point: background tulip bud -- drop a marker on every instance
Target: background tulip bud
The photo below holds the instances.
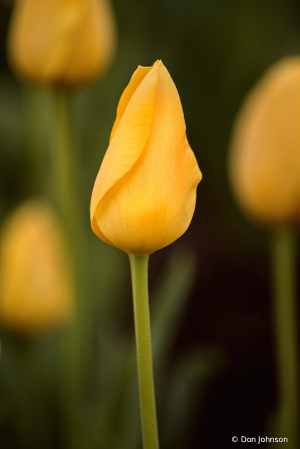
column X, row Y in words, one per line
column 61, row 42
column 36, row 290
column 145, row 192
column 265, row 147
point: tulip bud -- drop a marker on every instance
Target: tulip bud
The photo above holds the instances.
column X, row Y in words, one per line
column 36, row 290
column 64, row 43
column 145, row 192
column 265, row 147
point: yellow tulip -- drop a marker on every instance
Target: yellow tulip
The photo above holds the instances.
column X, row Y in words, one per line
column 36, row 289
column 265, row 147
column 63, row 43
column 145, row 192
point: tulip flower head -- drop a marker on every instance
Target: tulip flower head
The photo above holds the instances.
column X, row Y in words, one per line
column 62, row 43
column 36, row 289
column 265, row 147
column 145, row 192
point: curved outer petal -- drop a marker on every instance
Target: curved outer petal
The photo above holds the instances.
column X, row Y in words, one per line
column 128, row 140
column 265, row 148
column 61, row 42
column 152, row 203
column 136, row 79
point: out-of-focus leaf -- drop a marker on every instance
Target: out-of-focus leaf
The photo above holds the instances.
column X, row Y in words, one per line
column 28, row 375
column 170, row 301
column 185, row 390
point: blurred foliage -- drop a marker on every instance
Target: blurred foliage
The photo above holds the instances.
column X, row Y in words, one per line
column 212, row 335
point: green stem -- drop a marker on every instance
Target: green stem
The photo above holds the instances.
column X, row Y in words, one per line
column 284, row 272
column 67, row 180
column 64, row 158
column 139, row 273
column 75, row 346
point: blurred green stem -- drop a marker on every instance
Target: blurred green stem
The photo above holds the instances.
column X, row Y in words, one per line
column 284, row 244
column 139, row 273
column 67, row 195
column 75, row 349
column 64, row 158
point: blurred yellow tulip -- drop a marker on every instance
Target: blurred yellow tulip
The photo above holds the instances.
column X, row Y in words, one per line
column 145, row 192
column 265, row 148
column 64, row 43
column 36, row 289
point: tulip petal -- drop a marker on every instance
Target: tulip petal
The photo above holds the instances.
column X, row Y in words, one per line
column 265, row 157
column 36, row 288
column 135, row 81
column 152, row 204
column 128, row 142
column 61, row 42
